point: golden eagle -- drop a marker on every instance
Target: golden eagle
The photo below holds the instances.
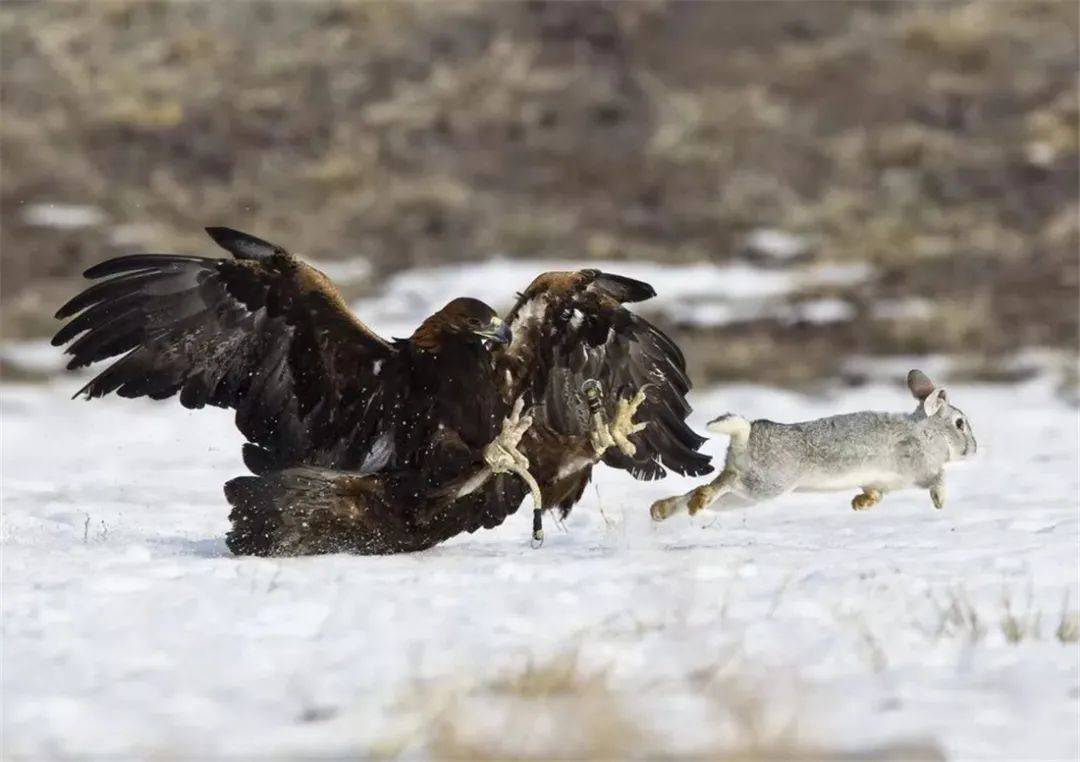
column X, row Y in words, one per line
column 372, row 446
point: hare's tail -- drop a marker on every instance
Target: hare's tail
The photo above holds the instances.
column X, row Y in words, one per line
column 735, row 426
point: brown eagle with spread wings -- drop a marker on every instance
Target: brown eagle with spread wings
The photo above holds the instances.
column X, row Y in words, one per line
column 366, row 445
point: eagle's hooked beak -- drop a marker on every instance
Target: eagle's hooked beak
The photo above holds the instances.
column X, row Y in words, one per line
column 497, row 330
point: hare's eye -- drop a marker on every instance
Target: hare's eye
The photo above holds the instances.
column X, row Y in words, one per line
column 960, row 424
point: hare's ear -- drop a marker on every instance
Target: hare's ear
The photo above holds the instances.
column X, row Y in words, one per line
column 935, row 402
column 919, row 384
column 923, row 389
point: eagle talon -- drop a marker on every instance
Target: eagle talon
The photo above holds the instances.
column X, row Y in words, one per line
column 623, row 426
column 601, row 439
column 502, row 455
column 616, row 433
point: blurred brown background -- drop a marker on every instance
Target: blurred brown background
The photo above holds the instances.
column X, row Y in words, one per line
column 936, row 143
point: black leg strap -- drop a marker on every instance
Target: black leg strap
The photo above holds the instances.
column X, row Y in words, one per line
column 538, row 528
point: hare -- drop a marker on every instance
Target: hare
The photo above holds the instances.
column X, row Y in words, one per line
column 874, row 452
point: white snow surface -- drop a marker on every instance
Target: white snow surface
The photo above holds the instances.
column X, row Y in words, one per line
column 130, row 631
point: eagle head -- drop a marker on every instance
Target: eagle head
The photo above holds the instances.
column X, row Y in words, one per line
column 462, row 321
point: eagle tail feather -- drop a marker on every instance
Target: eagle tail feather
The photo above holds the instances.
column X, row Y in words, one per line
column 292, row 512
column 308, row 510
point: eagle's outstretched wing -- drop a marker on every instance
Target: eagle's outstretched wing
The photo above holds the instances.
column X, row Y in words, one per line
column 262, row 333
column 571, row 327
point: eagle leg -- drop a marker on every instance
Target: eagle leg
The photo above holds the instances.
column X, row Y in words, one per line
column 502, row 455
column 616, row 433
column 538, row 528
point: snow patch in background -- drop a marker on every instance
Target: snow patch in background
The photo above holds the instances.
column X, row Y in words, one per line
column 63, row 216
column 699, row 294
column 341, row 271
column 778, row 246
column 35, row 355
column 822, row 311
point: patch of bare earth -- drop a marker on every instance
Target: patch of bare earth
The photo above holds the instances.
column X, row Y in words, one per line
column 935, row 142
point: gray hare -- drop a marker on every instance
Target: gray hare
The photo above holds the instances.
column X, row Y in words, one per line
column 874, row 452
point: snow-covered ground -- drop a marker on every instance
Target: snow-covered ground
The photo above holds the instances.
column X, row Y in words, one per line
column 794, row 627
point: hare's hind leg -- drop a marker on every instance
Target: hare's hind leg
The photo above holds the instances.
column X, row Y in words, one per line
column 667, row 507
column 707, row 494
column 937, row 491
column 697, row 498
column 868, row 498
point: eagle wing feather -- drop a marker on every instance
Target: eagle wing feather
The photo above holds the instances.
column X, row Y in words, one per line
column 262, row 333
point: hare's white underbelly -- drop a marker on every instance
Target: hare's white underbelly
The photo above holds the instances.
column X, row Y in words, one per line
column 869, row 477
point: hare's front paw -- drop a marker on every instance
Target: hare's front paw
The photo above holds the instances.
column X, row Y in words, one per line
column 868, row 498
column 937, row 494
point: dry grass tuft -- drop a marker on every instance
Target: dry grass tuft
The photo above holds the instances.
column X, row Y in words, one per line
column 957, row 617
column 557, row 709
column 1068, row 629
